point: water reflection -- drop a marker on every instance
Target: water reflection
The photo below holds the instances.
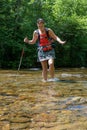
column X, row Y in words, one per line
column 77, row 107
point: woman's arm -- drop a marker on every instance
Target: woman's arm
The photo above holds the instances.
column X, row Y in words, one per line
column 34, row 39
column 55, row 37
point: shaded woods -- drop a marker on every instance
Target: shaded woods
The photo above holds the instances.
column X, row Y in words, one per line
column 68, row 19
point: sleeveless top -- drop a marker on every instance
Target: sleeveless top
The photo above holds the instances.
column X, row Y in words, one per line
column 44, row 41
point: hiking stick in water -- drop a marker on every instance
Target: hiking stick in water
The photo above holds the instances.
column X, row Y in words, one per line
column 22, row 53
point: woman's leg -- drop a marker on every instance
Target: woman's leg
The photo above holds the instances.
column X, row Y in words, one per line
column 51, row 67
column 44, row 69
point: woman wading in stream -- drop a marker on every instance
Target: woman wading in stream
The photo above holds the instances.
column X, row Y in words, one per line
column 46, row 52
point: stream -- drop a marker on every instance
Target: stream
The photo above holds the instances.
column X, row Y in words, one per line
column 27, row 103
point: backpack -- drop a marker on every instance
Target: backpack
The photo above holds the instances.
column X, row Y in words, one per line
column 45, row 48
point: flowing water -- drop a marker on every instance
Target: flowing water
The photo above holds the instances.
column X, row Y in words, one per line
column 27, row 103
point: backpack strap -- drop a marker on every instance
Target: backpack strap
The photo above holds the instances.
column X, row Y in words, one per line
column 47, row 32
column 38, row 35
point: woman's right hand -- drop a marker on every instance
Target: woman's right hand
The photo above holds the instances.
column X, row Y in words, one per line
column 26, row 40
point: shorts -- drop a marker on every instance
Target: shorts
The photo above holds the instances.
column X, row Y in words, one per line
column 42, row 56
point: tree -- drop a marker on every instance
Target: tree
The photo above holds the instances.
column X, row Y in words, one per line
column 66, row 18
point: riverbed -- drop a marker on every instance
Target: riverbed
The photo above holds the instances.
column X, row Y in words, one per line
column 27, row 103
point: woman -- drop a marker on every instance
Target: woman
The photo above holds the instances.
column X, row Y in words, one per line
column 46, row 53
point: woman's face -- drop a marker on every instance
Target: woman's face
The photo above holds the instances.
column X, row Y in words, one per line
column 40, row 24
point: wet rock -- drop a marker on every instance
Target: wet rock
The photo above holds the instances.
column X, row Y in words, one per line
column 19, row 126
column 4, row 126
column 77, row 100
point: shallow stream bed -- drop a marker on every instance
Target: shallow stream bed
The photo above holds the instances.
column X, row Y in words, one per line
column 27, row 103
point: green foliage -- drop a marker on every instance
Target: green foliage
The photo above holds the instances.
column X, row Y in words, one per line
column 67, row 18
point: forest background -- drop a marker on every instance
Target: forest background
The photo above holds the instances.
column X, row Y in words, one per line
column 67, row 18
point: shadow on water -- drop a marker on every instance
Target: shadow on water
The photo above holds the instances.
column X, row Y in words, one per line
column 66, row 81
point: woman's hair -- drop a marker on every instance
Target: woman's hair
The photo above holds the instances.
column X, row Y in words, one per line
column 40, row 20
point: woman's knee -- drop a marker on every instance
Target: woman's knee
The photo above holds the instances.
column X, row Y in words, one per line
column 51, row 62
